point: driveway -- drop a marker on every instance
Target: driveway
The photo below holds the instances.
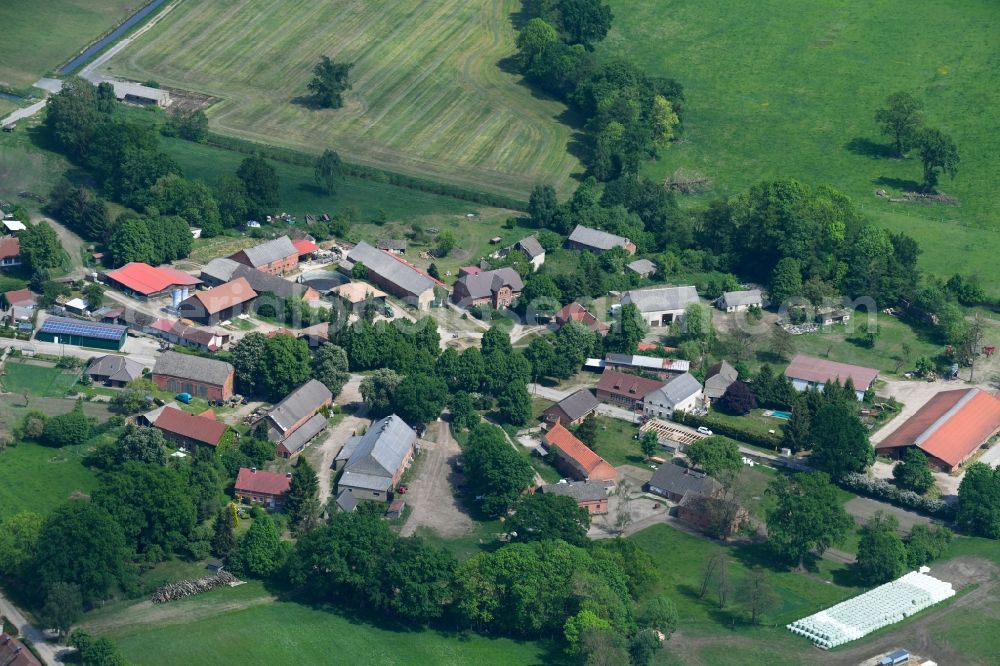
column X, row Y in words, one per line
column 73, row 245
column 323, row 454
column 50, row 651
column 431, row 495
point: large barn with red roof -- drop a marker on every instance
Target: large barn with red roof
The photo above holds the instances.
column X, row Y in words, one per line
column 145, row 281
column 948, row 429
column 576, row 458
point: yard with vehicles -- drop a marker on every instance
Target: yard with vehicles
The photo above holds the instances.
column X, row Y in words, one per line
column 428, row 96
column 50, row 33
column 775, row 89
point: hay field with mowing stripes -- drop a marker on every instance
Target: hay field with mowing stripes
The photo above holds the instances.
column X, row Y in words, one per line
column 428, row 98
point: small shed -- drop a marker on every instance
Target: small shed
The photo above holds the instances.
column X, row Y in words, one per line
column 895, row 658
column 214, row 565
column 395, row 509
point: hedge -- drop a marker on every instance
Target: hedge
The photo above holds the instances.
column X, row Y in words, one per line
column 290, row 156
column 883, row 490
column 764, row 441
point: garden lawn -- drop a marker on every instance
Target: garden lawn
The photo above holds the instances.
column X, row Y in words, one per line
column 785, row 89
column 50, row 33
column 754, row 422
column 246, row 625
column 23, row 377
column 38, row 478
column 369, row 200
column 616, row 443
column 429, row 96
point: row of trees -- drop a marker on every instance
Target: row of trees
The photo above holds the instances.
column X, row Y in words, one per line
column 272, row 366
column 902, row 120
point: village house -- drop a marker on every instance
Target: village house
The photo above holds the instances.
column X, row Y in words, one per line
column 114, row 370
column 661, row 368
column 144, row 282
column 371, row 464
column 223, row 269
column 575, row 458
column 718, row 378
column 66, row 331
column 10, row 252
column 393, row 274
column 498, row 288
column 294, row 421
column 19, row 308
column 189, row 430
column 597, row 241
column 276, row 256
column 740, row 301
column 572, row 409
column 949, row 429
column 712, row 515
column 202, row 377
column 661, row 306
column 356, row 294
column 591, row 495
column 644, row 268
column 619, row 388
column 15, row 653
column 674, row 482
column 576, row 312
column 533, row 250
column 217, row 304
column 810, row 372
column 681, row 394
column 268, row 489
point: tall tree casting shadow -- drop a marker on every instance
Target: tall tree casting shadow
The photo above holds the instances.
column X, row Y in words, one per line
column 860, row 145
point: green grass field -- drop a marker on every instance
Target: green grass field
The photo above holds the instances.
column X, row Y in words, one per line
column 257, row 629
column 369, row 199
column 41, row 380
column 38, row 478
column 41, row 36
column 779, row 88
column 428, row 95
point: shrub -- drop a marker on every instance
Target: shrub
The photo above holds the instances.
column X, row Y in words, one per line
column 883, row 490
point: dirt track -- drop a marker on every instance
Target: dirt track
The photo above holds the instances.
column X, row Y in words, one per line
column 431, row 495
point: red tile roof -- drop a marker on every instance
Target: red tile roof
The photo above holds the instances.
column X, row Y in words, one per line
column 821, row 371
column 305, row 246
column 199, row 428
column 10, row 247
column 576, row 312
column 594, row 466
column 20, row 297
column 225, row 296
column 14, row 653
column 950, row 427
column 261, row 482
column 145, row 279
column 626, row 385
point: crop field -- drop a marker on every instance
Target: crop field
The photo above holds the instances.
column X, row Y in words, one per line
column 429, row 97
column 225, row 627
column 779, row 88
column 40, row 36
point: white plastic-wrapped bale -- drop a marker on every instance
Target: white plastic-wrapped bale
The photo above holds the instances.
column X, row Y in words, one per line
column 877, row 608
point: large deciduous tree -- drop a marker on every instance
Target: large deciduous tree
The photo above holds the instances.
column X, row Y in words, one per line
column 40, row 247
column 329, row 365
column 840, row 441
column 302, row 504
column 881, row 553
column 738, row 399
column 144, row 445
column 979, row 501
column 284, row 366
column 329, row 83
column 806, row 517
column 378, row 390
column 546, row 516
column 913, row 473
column 939, row 155
column 900, row 120
column 716, row 455
column 260, row 184
column 328, row 170
column 495, row 470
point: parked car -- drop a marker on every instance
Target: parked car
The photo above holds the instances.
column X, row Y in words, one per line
column 186, row 398
column 703, row 430
column 402, row 490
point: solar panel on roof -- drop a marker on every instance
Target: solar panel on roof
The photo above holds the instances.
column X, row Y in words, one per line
column 74, row 327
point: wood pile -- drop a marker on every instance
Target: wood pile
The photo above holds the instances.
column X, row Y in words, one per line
column 187, row 588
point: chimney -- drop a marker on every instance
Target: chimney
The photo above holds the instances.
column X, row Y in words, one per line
column 288, row 475
column 253, row 470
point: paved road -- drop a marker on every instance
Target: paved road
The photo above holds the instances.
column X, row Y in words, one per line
column 26, row 112
column 50, row 651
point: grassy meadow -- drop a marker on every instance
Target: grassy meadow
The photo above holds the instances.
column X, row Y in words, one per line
column 38, row 478
column 247, row 625
column 429, row 97
column 41, row 36
column 778, row 88
column 22, row 377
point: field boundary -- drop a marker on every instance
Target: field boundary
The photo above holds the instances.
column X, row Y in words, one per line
column 300, row 158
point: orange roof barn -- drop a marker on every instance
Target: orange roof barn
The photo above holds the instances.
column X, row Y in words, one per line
column 579, row 457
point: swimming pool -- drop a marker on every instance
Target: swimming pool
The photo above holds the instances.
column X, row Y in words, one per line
column 780, row 415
